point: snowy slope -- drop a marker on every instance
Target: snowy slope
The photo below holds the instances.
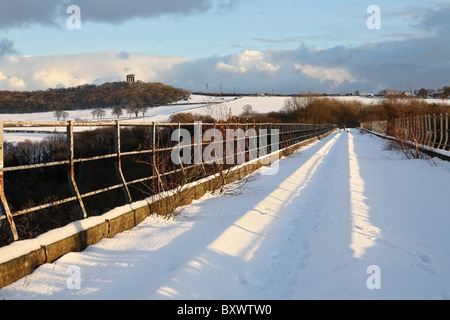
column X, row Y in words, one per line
column 157, row 114
column 314, row 230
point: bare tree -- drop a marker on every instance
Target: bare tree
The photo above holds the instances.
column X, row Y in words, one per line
column 117, row 111
column 143, row 110
column 176, row 177
column 99, row 113
column 60, row 114
column 404, row 125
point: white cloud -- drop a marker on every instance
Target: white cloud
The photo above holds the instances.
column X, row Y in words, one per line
column 53, row 77
column 13, row 59
column 229, row 68
column 107, row 66
column 417, row 62
column 421, row 62
column 248, row 62
column 11, row 83
column 336, row 75
column 78, row 69
column 16, row 83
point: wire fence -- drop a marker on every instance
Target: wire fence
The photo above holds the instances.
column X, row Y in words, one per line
column 427, row 130
column 166, row 153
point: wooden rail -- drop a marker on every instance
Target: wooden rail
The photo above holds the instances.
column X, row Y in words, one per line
column 287, row 135
column 426, row 130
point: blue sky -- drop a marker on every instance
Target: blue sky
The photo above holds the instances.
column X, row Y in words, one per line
column 252, row 24
column 246, row 45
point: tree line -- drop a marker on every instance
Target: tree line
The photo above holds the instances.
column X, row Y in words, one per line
column 89, row 96
column 351, row 113
column 315, row 109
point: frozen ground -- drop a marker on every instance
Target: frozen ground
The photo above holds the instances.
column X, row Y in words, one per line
column 336, row 218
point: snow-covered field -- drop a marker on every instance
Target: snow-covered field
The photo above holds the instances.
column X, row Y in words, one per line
column 216, row 107
column 343, row 218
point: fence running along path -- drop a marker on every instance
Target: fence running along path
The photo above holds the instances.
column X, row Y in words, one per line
column 427, row 130
column 288, row 135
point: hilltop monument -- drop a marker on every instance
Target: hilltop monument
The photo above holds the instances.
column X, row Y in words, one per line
column 131, row 78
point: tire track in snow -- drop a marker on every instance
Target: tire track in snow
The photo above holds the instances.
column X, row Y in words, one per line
column 244, row 237
column 279, row 271
column 364, row 234
column 242, row 240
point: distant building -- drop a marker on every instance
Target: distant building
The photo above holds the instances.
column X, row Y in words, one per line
column 130, row 78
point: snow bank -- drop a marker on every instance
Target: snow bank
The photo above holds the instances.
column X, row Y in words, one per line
column 18, row 249
column 23, row 247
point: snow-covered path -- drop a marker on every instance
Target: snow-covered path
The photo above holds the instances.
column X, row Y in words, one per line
column 342, row 218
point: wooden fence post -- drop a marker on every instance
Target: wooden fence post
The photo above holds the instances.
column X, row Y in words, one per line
column 434, row 131
column 446, row 131
column 179, row 151
column 119, row 163
column 407, row 129
column 429, row 130
column 441, row 130
column 270, row 138
column 423, row 131
column 71, row 171
column 155, row 165
column 4, row 207
column 417, row 128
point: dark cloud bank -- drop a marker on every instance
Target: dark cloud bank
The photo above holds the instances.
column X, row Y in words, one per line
column 25, row 13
